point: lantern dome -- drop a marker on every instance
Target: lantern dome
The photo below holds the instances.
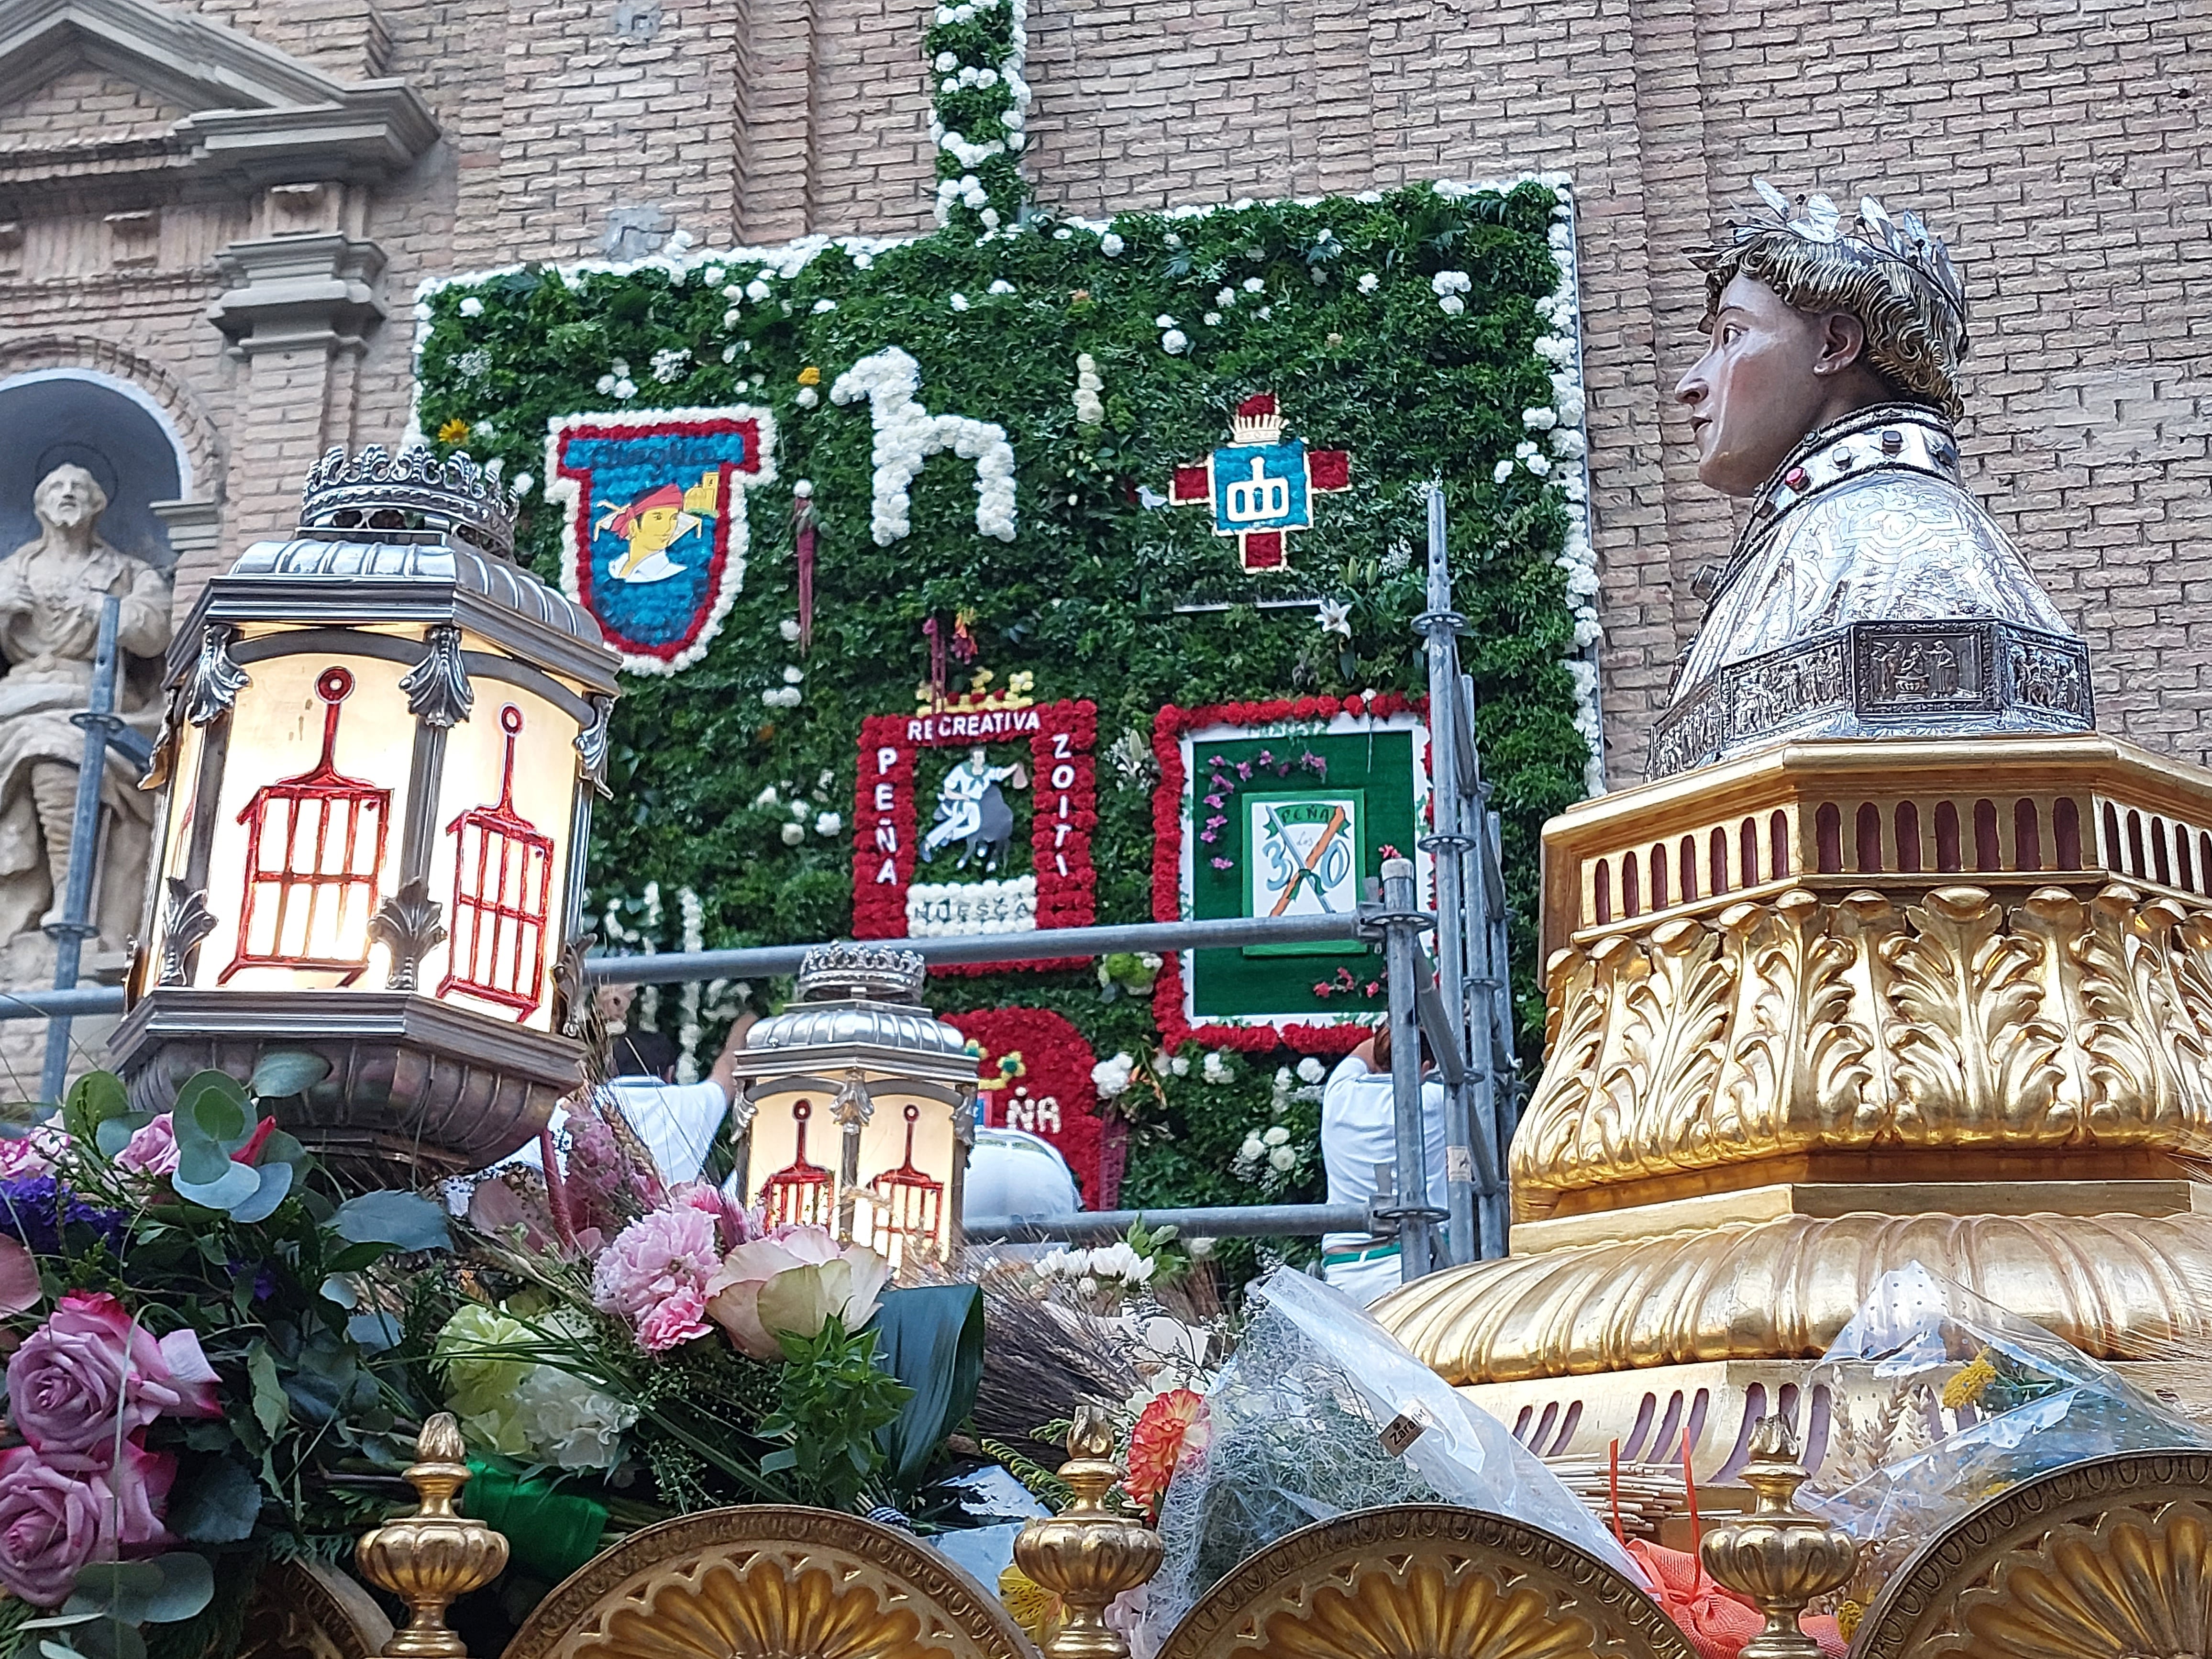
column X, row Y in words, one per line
column 382, row 739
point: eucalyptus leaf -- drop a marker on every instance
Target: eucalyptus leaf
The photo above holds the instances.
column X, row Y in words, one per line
column 93, row 1099
column 276, row 1181
column 404, row 1220
column 285, row 1071
column 237, row 1184
column 212, row 1104
column 114, row 1134
column 373, row 1332
column 200, row 1161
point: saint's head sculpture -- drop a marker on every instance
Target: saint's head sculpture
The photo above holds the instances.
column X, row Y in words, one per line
column 1869, row 595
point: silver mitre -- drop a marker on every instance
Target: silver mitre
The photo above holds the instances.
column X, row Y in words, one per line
column 1869, row 594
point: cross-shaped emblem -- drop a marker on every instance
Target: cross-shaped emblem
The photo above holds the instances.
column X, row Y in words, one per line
column 1262, row 485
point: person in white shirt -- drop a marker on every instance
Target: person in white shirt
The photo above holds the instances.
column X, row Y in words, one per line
column 676, row 1123
column 1359, row 1130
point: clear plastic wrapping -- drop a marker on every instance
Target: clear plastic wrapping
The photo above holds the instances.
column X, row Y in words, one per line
column 1294, row 1434
column 1939, row 1399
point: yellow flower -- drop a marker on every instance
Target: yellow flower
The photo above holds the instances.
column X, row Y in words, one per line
column 1967, row 1386
column 1033, row 1606
column 455, row 431
column 810, row 375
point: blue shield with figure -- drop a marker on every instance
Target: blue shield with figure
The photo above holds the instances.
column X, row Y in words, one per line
column 653, row 538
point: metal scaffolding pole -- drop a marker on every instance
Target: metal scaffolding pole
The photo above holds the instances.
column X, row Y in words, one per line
column 1401, row 921
column 69, row 933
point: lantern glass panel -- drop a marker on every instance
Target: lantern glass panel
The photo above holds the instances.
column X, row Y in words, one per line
column 499, row 861
column 306, row 838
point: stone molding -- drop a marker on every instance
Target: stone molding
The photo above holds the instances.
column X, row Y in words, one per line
column 298, row 293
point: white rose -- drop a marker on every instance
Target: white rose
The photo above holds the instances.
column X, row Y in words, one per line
column 789, row 629
column 1252, row 1150
column 1311, row 1070
column 767, row 796
column 1111, row 246
column 1451, row 305
column 1253, row 285
column 793, row 833
column 794, row 675
column 1276, row 1136
column 807, row 397
column 1283, row 1159
column 1175, row 342
column 473, row 306
column 959, row 303
column 1369, row 283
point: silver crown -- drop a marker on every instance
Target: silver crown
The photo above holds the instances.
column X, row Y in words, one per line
column 411, row 491
column 1874, row 234
column 874, row 972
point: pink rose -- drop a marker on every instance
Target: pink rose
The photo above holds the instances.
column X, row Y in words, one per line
column 33, row 1154
column 794, row 1281
column 153, row 1150
column 674, row 1321
column 51, row 1524
column 138, row 1489
column 89, row 1366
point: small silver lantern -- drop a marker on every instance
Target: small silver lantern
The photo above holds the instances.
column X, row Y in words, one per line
column 858, row 1109
column 383, row 738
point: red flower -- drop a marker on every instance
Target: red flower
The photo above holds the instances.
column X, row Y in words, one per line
column 1169, row 1432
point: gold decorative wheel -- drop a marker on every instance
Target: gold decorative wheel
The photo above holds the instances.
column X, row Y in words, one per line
column 309, row 1610
column 769, row 1582
column 1425, row 1581
column 2110, row 1558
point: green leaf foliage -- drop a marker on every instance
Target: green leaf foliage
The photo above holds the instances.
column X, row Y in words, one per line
column 931, row 1339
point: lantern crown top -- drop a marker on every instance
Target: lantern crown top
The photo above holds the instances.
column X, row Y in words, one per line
column 412, row 491
column 873, row 972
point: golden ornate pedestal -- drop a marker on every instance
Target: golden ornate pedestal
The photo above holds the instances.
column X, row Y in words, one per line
column 1825, row 1010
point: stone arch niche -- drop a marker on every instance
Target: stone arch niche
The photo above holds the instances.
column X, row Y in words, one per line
column 50, row 417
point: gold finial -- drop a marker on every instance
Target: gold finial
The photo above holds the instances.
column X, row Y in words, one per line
column 1088, row 1554
column 1777, row 1555
column 429, row 1558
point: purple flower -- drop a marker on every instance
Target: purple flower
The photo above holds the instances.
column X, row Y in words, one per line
column 1224, row 864
column 1213, row 801
column 1244, row 769
column 35, row 1209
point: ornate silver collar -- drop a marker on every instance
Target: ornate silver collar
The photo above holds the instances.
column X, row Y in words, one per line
column 1884, row 437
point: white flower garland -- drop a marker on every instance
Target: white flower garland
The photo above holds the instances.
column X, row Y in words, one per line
column 999, row 71
column 907, row 434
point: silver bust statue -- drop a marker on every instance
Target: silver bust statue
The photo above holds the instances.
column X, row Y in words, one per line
column 51, row 592
column 1868, row 594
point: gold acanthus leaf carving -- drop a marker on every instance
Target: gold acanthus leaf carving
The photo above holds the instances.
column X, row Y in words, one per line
column 1575, row 1011
column 1974, row 1058
column 1799, row 1067
column 1662, row 1073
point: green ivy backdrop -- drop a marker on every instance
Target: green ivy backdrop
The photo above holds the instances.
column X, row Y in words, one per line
column 1343, row 308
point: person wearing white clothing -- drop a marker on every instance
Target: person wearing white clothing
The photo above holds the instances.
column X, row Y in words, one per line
column 1359, row 1130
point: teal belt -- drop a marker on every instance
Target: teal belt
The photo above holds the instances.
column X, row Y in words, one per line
column 1353, row 1258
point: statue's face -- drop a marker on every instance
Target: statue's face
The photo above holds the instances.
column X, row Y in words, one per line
column 1762, row 384
column 68, row 496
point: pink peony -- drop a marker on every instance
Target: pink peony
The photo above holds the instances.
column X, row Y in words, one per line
column 51, row 1523
column 661, row 1255
column 793, row 1282
column 153, row 1150
column 89, row 1366
column 674, row 1321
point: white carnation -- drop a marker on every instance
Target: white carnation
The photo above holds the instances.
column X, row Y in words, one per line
column 1311, row 1070
column 793, row 833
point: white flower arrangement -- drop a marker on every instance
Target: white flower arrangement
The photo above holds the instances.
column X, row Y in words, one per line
column 907, row 434
column 1089, row 408
column 1112, row 1077
column 694, row 937
column 934, row 909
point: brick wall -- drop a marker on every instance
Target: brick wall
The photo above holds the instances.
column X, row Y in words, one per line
column 2060, row 143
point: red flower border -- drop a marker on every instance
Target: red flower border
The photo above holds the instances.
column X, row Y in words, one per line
column 1064, row 791
column 1169, row 726
column 1057, row 1056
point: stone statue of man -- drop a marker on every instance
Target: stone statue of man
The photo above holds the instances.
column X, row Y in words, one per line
column 50, row 594
column 1825, row 399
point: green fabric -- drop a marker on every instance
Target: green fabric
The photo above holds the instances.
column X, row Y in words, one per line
column 549, row 1533
column 931, row 1338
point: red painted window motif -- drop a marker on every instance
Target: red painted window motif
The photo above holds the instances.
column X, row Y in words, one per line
column 798, row 1194
column 502, row 892
column 908, row 1206
column 315, row 847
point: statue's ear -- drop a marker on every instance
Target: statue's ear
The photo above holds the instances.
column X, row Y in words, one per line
column 1843, row 341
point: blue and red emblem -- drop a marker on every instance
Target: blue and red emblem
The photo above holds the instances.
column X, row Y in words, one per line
column 1261, row 486
column 654, row 538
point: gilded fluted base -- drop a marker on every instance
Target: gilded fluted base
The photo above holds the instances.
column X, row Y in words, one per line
column 2116, row 1287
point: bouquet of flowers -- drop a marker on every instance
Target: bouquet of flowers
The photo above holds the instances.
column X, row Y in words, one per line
column 196, row 1363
